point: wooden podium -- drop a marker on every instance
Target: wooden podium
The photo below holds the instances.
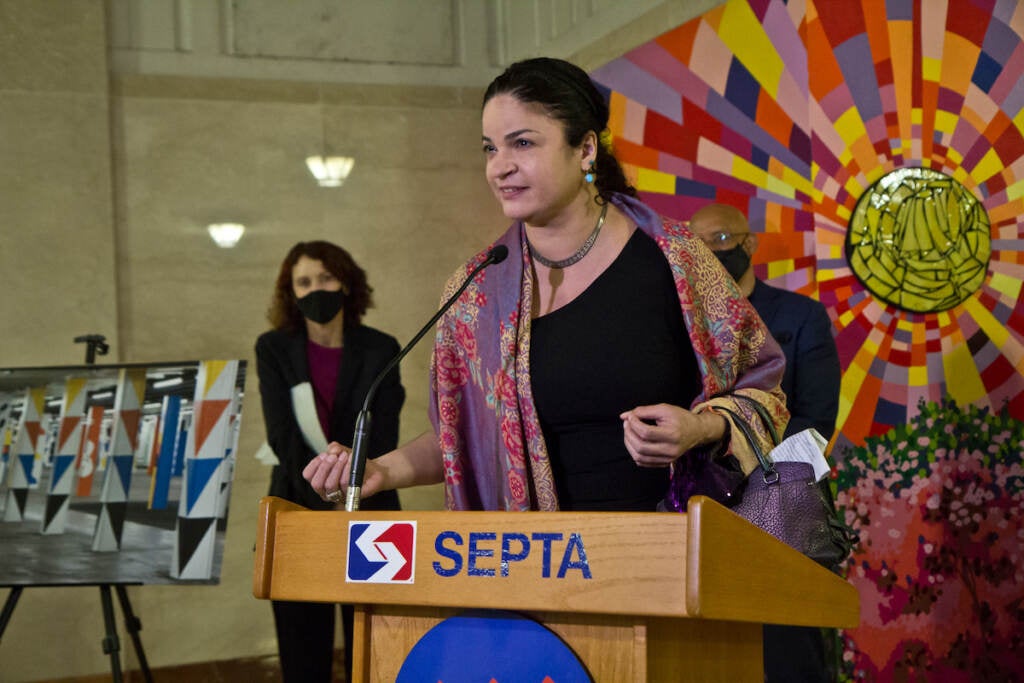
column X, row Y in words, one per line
column 637, row 596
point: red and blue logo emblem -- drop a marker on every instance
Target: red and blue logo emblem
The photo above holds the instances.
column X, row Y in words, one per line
column 381, row 552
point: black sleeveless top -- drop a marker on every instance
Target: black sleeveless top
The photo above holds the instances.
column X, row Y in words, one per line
column 620, row 344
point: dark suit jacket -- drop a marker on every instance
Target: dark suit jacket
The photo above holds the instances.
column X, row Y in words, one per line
column 811, row 381
column 281, row 364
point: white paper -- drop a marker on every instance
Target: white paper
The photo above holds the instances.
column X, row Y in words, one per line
column 806, row 446
column 265, row 454
column 304, row 407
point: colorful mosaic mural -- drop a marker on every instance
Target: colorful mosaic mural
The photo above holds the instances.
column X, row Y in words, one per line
column 725, row 108
column 792, row 112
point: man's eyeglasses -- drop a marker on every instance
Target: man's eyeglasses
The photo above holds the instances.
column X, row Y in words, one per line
column 724, row 240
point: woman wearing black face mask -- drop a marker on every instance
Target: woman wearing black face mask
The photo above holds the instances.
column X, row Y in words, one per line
column 315, row 367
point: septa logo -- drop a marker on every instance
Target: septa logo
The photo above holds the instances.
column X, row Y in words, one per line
column 381, row 552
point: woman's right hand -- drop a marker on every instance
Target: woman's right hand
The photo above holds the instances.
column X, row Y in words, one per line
column 328, row 473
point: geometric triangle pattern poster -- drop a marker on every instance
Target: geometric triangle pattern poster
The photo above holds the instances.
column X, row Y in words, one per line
column 206, row 462
column 80, row 425
column 68, row 443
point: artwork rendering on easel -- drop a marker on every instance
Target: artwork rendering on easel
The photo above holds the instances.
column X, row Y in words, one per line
column 117, row 474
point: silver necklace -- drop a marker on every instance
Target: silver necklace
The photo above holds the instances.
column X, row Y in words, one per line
column 580, row 253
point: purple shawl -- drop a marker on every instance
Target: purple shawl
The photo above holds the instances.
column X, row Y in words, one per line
column 481, row 398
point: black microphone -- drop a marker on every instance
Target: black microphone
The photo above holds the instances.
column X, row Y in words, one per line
column 497, row 254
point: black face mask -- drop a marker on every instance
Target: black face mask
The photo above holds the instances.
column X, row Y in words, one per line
column 735, row 260
column 321, row 306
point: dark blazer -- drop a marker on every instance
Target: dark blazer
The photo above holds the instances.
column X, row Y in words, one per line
column 813, row 374
column 281, row 364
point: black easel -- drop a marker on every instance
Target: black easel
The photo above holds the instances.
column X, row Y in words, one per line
column 96, row 343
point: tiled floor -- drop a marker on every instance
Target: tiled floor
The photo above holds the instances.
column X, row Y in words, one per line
column 145, row 553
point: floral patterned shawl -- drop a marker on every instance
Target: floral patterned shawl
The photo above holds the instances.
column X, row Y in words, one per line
column 482, row 405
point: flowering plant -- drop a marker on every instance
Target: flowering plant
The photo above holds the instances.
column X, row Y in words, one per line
column 939, row 506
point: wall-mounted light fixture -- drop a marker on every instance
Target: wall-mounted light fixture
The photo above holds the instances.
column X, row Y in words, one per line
column 226, row 235
column 330, row 171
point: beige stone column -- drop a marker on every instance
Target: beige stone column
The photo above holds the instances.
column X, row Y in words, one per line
column 56, row 209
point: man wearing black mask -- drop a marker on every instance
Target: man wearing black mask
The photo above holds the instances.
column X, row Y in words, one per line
column 799, row 323
column 811, row 381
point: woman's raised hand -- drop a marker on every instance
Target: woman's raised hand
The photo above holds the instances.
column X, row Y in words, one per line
column 328, row 474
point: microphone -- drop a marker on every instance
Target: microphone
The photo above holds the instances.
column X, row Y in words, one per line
column 360, row 439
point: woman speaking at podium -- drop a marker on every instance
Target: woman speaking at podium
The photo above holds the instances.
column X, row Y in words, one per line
column 573, row 374
column 315, row 366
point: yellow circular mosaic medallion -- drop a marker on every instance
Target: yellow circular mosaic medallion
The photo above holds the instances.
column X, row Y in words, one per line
column 919, row 240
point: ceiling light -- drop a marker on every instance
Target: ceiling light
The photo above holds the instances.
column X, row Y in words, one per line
column 330, row 171
column 226, row 235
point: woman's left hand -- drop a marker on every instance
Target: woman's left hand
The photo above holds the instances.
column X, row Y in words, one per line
column 657, row 435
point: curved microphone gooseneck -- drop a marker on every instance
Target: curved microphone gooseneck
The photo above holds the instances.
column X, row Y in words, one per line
column 361, row 437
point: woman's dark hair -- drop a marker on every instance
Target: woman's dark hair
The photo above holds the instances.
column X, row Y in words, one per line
column 284, row 313
column 567, row 94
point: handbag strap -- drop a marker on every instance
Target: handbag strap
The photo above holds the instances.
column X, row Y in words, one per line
column 770, row 474
column 762, row 412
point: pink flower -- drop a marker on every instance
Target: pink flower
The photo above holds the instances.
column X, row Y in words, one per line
column 451, row 369
column 448, row 410
column 517, row 487
column 504, row 387
column 511, row 438
column 465, row 338
column 448, row 439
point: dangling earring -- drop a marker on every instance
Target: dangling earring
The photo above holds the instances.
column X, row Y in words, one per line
column 589, row 176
